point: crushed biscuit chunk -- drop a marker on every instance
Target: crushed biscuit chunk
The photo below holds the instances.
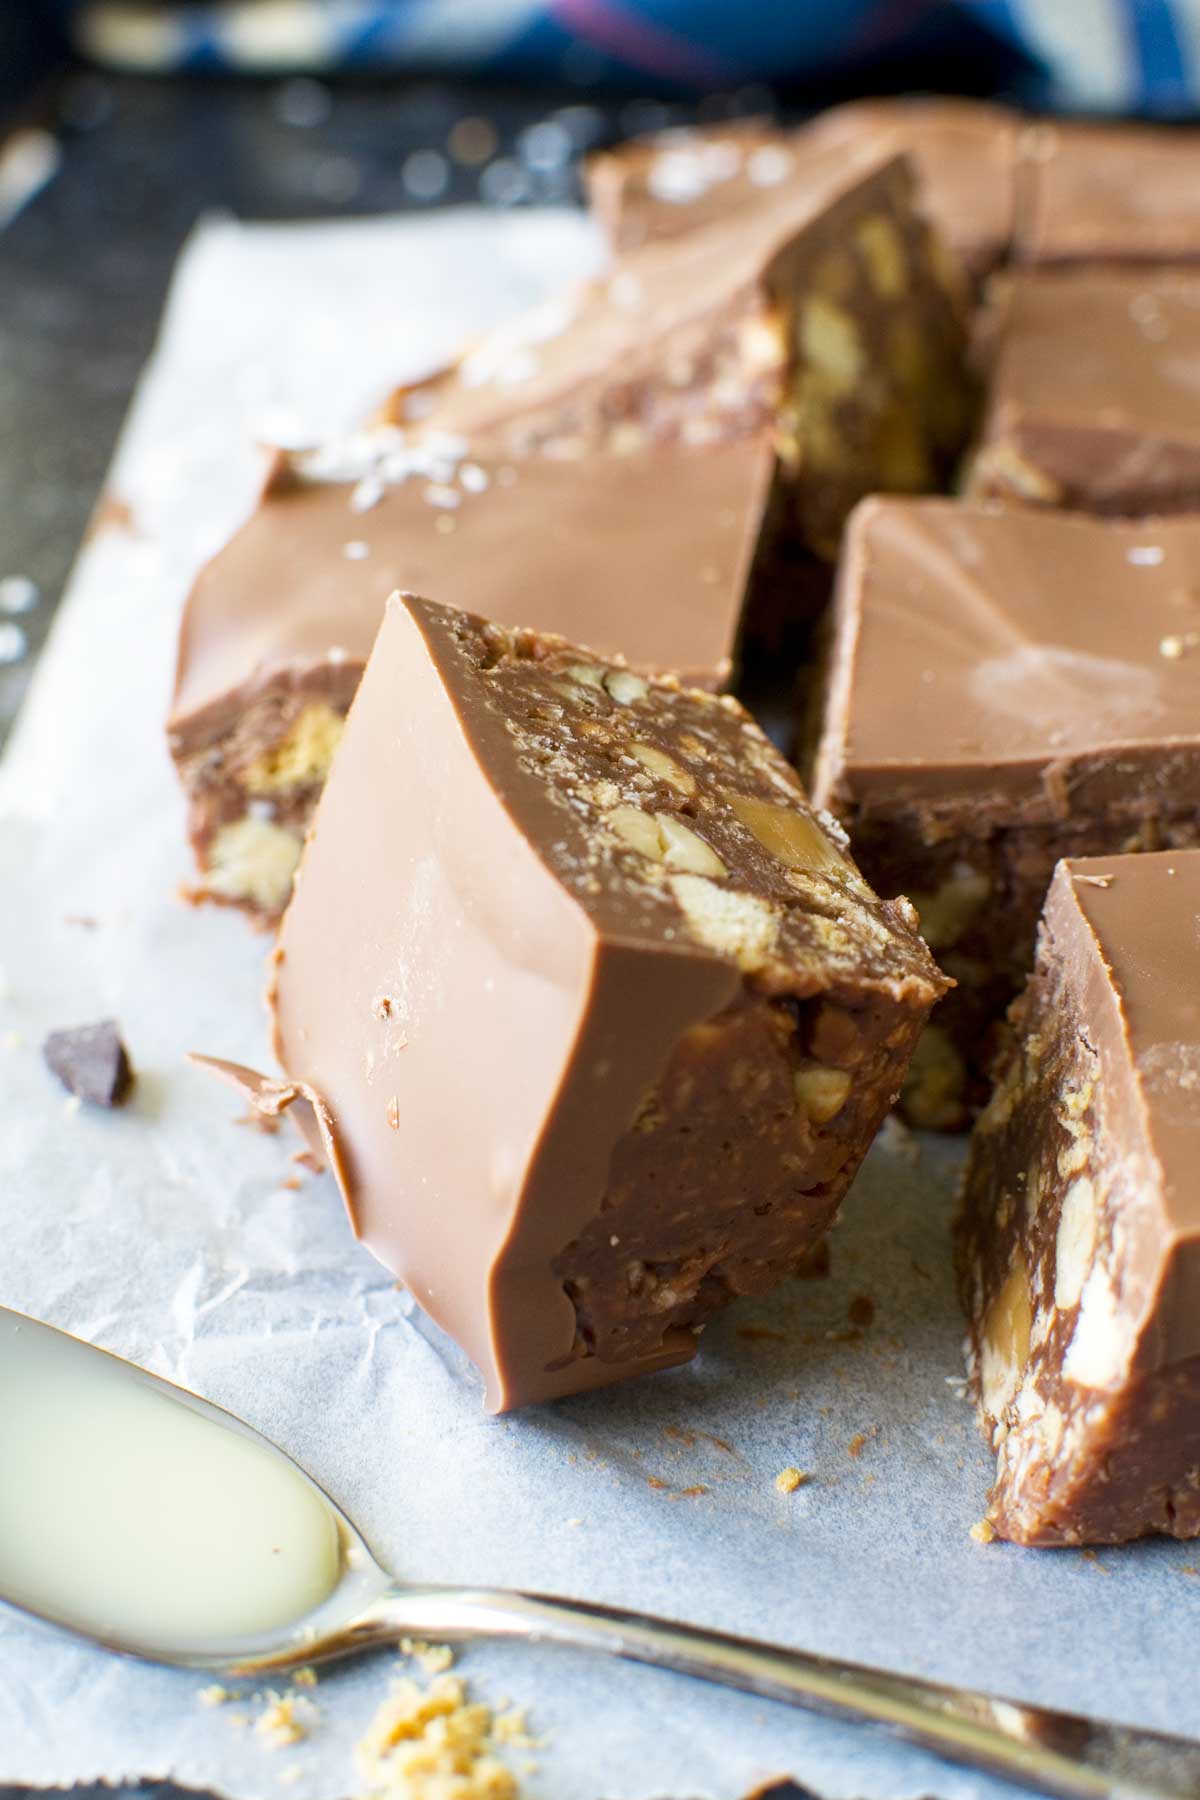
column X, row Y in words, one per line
column 789, row 1479
column 285, row 1721
column 433, row 1744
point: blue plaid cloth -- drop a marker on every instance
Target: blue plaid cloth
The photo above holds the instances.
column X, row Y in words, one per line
column 1120, row 56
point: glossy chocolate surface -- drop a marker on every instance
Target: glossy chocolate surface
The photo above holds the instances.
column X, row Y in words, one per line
column 1092, row 392
column 1108, row 193
column 1022, row 662
column 645, row 554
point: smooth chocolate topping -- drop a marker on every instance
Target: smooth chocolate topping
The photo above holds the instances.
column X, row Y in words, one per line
column 1128, row 926
column 1080, row 1238
column 1092, row 397
column 1021, row 661
column 685, row 339
column 646, row 554
column 673, row 181
column 963, row 154
column 1108, row 193
column 601, row 1016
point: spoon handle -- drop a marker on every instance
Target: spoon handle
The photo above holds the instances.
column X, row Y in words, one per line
column 1054, row 1753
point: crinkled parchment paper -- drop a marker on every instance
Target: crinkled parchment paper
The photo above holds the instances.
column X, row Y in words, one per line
column 166, row 1231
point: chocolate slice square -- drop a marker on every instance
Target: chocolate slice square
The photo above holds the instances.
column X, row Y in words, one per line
column 650, row 553
column 1108, row 194
column 1092, row 396
column 1079, row 1242
column 1005, row 687
column 600, row 1014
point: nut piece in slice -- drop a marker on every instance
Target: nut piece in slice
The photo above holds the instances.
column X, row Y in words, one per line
column 1001, row 691
column 600, row 1015
column 1079, row 1240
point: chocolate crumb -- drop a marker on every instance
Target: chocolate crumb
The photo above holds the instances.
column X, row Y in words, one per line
column 861, row 1311
column 308, row 1159
column 815, row 1264
column 782, row 1787
column 268, row 1123
column 91, row 1062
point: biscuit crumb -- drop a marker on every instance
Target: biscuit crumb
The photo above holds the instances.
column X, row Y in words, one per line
column 305, row 1678
column 512, row 1727
column 857, row 1445
column 435, row 1659
column 216, row 1695
column 427, row 1742
column 789, row 1479
column 283, row 1722
column 983, row 1531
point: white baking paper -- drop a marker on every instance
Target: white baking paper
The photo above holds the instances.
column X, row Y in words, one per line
column 165, row 1231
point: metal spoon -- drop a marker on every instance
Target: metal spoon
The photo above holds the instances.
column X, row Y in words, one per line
column 1049, row 1752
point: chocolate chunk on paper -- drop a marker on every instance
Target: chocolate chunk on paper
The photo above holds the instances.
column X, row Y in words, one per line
column 92, row 1062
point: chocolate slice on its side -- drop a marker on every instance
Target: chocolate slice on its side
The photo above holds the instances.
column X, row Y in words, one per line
column 1079, row 1243
column 602, row 1015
